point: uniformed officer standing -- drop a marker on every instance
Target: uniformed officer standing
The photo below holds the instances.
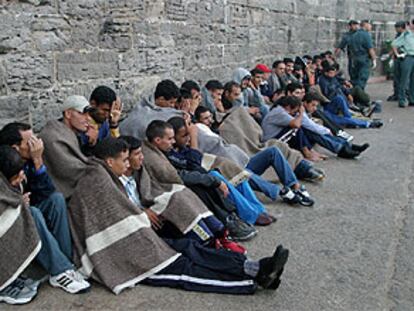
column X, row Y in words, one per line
column 399, row 28
column 403, row 47
column 353, row 27
column 361, row 50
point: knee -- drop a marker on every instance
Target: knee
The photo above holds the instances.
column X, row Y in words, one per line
column 58, row 202
column 37, row 216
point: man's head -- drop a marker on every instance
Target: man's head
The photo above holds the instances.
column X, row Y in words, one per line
column 310, row 102
column 136, row 157
column 266, row 70
column 307, row 58
column 75, row 113
column 400, row 26
column 166, row 94
column 11, row 165
column 216, row 89
column 289, row 63
column 115, row 153
column 279, row 68
column 257, row 77
column 317, row 60
column 295, row 89
column 232, row 91
column 366, row 25
column 17, row 135
column 353, row 25
column 193, row 88
column 182, row 137
column 101, row 101
column 203, row 115
column 161, row 135
column 329, row 71
column 291, row 104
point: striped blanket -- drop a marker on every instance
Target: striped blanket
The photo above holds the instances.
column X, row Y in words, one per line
column 19, row 241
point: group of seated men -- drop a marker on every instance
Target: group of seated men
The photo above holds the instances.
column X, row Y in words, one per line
column 164, row 195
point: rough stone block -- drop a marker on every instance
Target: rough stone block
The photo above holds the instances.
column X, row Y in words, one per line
column 74, row 66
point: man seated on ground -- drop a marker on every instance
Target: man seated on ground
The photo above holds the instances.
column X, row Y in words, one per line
column 264, row 85
column 185, row 157
column 338, row 108
column 193, row 89
column 158, row 106
column 252, row 99
column 287, row 120
column 289, row 76
column 105, row 113
column 211, row 96
column 126, row 163
column 277, row 79
column 291, row 192
column 160, row 139
column 52, row 227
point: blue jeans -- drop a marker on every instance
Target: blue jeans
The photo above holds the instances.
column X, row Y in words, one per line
column 51, row 220
column 330, row 142
column 337, row 105
column 272, row 157
column 302, row 169
column 247, row 205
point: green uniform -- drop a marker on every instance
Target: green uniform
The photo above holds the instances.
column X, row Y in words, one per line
column 359, row 44
column 344, row 44
column 405, row 44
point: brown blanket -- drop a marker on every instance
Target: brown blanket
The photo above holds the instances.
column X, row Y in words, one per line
column 241, row 129
column 19, row 242
column 113, row 239
column 65, row 161
column 162, row 185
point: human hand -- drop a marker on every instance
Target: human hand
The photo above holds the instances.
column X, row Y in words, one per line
column 154, row 219
column 26, row 199
column 192, row 130
column 35, row 148
column 93, row 134
column 374, row 64
column 116, row 112
column 223, row 188
column 301, row 109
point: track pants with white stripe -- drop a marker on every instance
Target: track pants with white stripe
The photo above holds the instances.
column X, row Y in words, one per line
column 205, row 270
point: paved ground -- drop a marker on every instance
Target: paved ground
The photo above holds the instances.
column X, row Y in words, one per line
column 353, row 251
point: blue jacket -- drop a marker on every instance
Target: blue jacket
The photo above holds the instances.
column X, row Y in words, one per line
column 38, row 183
column 331, row 87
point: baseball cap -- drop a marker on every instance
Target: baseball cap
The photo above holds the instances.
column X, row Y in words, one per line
column 263, row 68
column 76, row 102
column 353, row 22
column 400, row 24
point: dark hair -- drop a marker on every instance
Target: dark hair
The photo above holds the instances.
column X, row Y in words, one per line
column 214, row 85
column 277, row 63
column 10, row 133
column 256, row 71
column 230, row 85
column 199, row 111
column 110, row 147
column 176, row 123
column 365, row 21
column 11, row 162
column 329, row 68
column 316, row 57
column 133, row 142
column 310, row 97
column 103, row 95
column 190, row 85
column 184, row 94
column 156, row 129
column 328, row 53
column 307, row 56
column 297, row 67
column 167, row 89
column 288, row 60
column 291, row 87
column 289, row 101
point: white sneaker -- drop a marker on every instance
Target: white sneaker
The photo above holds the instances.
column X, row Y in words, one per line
column 70, row 281
column 16, row 294
column 348, row 137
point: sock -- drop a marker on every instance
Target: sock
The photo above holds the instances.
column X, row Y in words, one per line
column 251, row 267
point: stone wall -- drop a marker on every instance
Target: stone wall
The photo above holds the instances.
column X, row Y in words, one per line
column 52, row 48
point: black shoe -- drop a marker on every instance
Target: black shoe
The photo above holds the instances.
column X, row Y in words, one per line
column 376, row 124
column 239, row 230
column 347, row 153
column 271, row 268
column 276, row 283
column 392, row 98
column 289, row 196
column 305, row 198
column 314, row 174
column 360, row 148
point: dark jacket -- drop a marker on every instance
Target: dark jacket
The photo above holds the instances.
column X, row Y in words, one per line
column 38, row 183
column 331, row 87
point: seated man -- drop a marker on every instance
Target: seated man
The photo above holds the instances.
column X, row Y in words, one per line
column 290, row 115
column 134, row 253
column 160, row 139
column 292, row 192
column 159, row 106
column 56, row 250
column 105, row 112
column 185, row 157
column 338, row 107
column 211, row 96
column 277, row 79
